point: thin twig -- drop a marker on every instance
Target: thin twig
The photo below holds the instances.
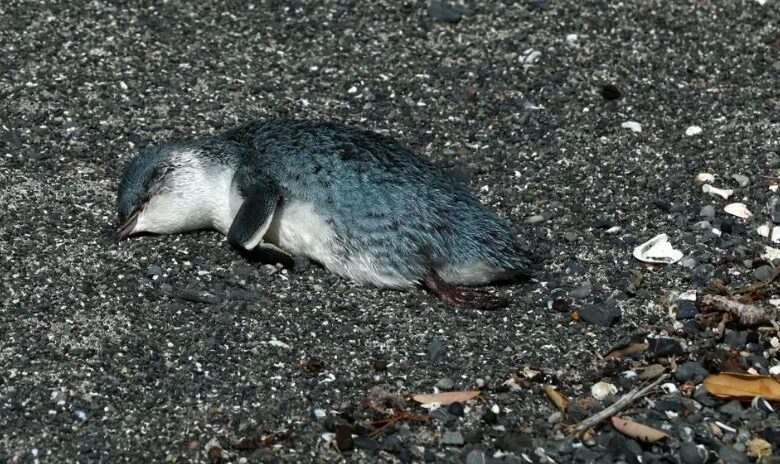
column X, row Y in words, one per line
column 618, row 405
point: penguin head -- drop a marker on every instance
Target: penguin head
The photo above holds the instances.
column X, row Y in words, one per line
column 160, row 191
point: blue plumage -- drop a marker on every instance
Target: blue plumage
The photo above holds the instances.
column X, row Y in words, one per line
column 381, row 214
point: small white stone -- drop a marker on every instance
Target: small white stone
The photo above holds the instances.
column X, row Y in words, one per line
column 613, row 230
column 571, row 39
column 705, row 177
column 775, row 235
column 693, row 130
column 633, row 125
column 716, row 192
column 352, row 89
column 495, row 409
column 763, row 230
column 603, row 390
column 320, row 413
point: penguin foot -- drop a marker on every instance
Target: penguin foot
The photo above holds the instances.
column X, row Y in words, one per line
column 463, row 297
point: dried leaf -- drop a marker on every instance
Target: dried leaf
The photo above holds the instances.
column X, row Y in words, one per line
column 446, row 398
column 630, row 349
column 560, row 400
column 639, row 431
column 742, row 386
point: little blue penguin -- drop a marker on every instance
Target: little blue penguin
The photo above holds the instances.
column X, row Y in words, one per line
column 359, row 203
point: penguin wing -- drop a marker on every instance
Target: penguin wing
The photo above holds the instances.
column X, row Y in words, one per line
column 261, row 197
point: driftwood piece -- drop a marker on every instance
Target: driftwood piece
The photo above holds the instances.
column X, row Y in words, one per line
column 746, row 314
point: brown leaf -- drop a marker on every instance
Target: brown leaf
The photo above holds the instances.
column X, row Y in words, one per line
column 446, row 398
column 742, row 386
column 639, row 431
column 630, row 349
column 560, row 400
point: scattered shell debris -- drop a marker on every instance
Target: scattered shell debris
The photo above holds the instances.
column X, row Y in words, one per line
column 657, row 250
column 705, row 177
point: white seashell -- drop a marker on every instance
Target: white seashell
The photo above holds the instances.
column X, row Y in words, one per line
column 633, row 125
column 705, row 177
column 572, row 39
column 714, row 191
column 657, row 250
column 774, row 370
column 603, row 390
column 738, row 209
column 770, row 254
column 763, row 230
column 693, row 130
column 773, row 188
column 775, row 234
column 669, row 387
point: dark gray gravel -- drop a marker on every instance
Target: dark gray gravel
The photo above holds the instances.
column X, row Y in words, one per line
column 176, row 348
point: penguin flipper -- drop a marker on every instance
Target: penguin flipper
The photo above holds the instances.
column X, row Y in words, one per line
column 255, row 215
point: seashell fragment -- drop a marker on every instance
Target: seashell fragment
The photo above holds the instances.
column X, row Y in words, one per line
column 603, row 390
column 657, row 250
column 693, row 130
column 633, row 125
column 705, row 177
column 738, row 209
column 714, row 191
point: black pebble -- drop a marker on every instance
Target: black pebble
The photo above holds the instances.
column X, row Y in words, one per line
column 610, row 92
column 456, row 409
column 602, row 314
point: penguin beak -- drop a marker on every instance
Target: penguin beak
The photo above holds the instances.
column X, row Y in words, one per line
column 127, row 228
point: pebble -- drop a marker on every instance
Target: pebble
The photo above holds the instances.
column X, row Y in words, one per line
column 764, row 272
column 570, row 236
column 686, row 309
column 581, row 292
column 735, row 338
column 476, row 457
column 707, row 212
column 436, row 350
column 452, row 438
column 732, row 408
column 741, row 180
column 732, row 456
column 365, row 443
column 610, row 92
column 445, row 384
column 515, row 442
column 691, row 370
column 691, row 453
column 776, row 213
column 602, row 314
column 444, row 12
column 693, row 130
column 663, row 346
column 583, row 454
column 456, row 409
column 632, row 125
column 154, row 270
column 535, row 219
column 652, row 371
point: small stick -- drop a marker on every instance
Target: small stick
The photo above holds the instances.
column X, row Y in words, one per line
column 618, row 405
column 747, row 314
